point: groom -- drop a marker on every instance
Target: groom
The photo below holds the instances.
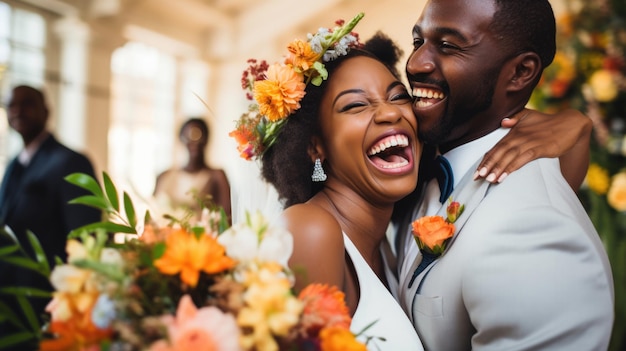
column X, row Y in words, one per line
column 525, row 269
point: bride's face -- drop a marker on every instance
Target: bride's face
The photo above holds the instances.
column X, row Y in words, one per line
column 369, row 131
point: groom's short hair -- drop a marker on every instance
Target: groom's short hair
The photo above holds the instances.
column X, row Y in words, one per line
column 526, row 25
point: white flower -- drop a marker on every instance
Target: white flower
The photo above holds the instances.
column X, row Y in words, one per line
column 277, row 245
column 103, row 312
column 240, row 241
column 68, row 278
column 256, row 239
column 111, row 256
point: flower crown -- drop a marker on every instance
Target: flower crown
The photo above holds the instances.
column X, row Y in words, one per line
column 278, row 89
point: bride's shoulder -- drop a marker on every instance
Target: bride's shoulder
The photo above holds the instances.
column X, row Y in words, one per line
column 318, row 249
column 311, row 220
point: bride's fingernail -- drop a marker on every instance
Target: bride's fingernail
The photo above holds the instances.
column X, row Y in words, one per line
column 502, row 177
column 482, row 172
column 491, row 177
column 476, row 175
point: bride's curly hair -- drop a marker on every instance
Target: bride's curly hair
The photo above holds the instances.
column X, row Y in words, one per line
column 287, row 164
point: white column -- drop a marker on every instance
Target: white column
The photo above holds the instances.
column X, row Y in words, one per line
column 74, row 35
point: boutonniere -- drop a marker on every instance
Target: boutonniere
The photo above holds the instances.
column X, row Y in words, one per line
column 432, row 234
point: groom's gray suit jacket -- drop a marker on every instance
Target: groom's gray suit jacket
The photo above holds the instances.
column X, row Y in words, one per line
column 525, row 270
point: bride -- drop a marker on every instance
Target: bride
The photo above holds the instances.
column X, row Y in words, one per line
column 344, row 152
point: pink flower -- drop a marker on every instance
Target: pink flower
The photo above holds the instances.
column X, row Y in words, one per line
column 206, row 328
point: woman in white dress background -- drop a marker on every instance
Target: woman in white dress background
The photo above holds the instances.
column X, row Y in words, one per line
column 186, row 188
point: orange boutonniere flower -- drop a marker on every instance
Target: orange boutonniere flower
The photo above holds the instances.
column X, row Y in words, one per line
column 432, row 232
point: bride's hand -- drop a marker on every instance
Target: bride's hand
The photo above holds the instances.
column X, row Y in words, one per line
column 534, row 135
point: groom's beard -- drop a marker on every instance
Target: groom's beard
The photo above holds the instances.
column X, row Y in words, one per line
column 460, row 113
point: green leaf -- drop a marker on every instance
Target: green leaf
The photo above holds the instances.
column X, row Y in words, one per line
column 198, row 232
column 40, row 254
column 7, row 250
column 129, row 208
column 111, row 191
column 7, row 314
column 8, row 233
column 25, row 291
column 158, row 250
column 25, row 262
column 16, row 338
column 147, row 218
column 28, row 311
column 85, row 181
column 93, row 201
column 223, row 224
column 106, row 226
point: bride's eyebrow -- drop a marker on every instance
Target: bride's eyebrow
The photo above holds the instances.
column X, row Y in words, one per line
column 348, row 91
column 395, row 84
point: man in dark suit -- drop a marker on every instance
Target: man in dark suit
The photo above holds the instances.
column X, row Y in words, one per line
column 34, row 195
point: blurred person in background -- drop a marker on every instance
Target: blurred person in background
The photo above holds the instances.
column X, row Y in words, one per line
column 34, row 194
column 195, row 184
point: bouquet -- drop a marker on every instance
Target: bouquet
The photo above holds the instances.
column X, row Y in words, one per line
column 184, row 285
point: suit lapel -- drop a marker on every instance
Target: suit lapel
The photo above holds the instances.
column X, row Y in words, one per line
column 468, row 193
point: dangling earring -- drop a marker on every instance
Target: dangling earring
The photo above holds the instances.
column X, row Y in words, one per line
column 318, row 172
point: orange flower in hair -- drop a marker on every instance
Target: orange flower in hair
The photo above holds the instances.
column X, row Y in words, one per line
column 301, row 55
column 279, row 95
column 278, row 89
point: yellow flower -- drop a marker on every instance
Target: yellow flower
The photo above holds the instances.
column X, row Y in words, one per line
column 75, row 250
column 301, row 55
column 603, row 85
column 188, row 255
column 598, row 179
column 617, row 192
column 270, row 308
column 339, row 339
column 279, row 95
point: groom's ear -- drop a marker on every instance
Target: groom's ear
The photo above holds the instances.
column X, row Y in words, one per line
column 523, row 71
column 316, row 149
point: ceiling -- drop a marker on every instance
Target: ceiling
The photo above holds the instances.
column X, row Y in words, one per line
column 222, row 29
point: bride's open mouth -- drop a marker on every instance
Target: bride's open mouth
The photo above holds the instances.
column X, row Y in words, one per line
column 392, row 153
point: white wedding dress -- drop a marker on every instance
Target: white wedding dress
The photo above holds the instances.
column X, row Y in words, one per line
column 377, row 305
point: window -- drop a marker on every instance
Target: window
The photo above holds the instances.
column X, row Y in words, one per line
column 143, row 116
column 22, row 61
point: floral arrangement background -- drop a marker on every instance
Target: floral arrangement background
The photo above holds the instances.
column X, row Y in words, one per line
column 183, row 285
column 589, row 74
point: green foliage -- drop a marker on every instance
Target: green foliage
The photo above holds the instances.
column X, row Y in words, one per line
column 17, row 256
column 107, row 201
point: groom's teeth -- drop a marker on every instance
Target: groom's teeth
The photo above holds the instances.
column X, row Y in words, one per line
column 427, row 93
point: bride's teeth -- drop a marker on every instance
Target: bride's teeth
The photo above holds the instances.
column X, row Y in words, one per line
column 394, row 140
column 396, row 165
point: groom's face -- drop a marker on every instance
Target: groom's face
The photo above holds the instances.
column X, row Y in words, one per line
column 453, row 69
